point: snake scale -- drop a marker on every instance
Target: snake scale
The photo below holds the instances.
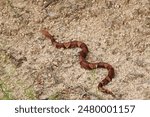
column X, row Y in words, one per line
column 82, row 59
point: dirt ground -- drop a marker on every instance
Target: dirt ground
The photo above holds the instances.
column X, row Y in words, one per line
column 116, row 31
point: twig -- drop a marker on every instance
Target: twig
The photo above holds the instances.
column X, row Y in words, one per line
column 47, row 4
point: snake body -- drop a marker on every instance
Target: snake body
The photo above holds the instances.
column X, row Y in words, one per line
column 82, row 59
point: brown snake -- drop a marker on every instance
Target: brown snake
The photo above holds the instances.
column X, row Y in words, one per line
column 85, row 64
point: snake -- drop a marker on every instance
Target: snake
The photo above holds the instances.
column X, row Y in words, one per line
column 82, row 60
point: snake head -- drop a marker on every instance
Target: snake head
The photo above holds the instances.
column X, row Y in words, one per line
column 46, row 33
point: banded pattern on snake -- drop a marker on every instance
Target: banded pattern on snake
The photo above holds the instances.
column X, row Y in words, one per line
column 82, row 59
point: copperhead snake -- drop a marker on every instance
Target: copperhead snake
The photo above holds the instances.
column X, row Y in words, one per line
column 82, row 59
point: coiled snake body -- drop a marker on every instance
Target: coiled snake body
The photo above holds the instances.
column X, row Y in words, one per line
column 85, row 64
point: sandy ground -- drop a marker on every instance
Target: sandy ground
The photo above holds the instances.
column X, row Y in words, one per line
column 116, row 31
